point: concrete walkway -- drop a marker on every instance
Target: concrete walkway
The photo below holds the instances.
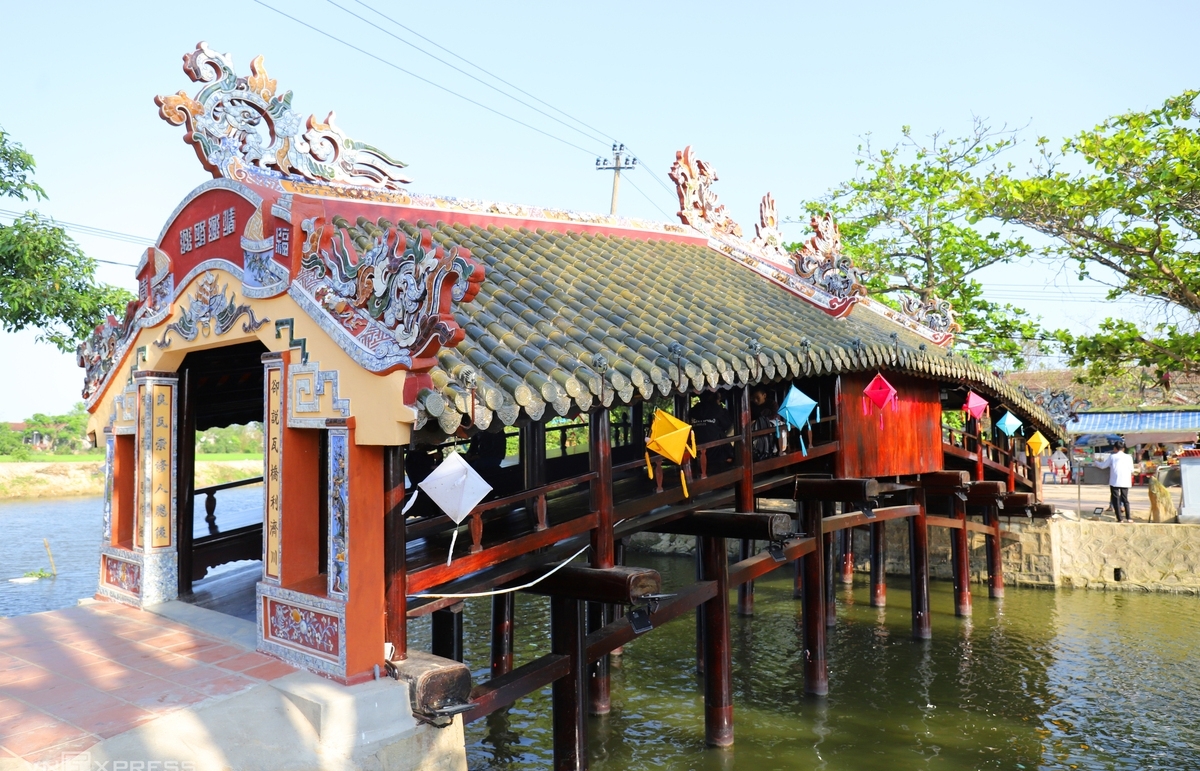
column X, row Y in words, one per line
column 72, row 678
column 1096, row 496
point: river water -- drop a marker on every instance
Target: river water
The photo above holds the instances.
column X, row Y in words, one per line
column 1041, row 680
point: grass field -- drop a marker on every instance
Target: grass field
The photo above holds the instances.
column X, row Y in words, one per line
column 99, row 457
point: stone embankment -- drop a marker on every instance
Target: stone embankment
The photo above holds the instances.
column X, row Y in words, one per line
column 57, row 480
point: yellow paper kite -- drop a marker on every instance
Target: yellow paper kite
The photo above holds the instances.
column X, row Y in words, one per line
column 673, row 439
column 1037, row 443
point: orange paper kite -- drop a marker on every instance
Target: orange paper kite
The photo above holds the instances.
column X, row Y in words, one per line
column 673, row 439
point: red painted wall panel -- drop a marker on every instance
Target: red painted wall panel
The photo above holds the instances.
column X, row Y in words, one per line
column 910, row 439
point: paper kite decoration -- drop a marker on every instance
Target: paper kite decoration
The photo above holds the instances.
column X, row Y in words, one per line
column 1037, row 443
column 796, row 409
column 456, row 488
column 879, row 392
column 1008, row 424
column 673, row 439
column 975, row 405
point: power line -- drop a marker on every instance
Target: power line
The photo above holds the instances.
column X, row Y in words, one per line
column 427, row 81
column 88, row 230
column 459, row 69
column 486, row 72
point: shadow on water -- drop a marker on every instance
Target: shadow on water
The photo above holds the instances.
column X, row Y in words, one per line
column 1041, row 680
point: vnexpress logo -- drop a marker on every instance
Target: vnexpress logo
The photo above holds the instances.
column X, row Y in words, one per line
column 82, row 761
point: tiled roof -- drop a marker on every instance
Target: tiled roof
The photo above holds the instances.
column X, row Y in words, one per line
column 553, row 300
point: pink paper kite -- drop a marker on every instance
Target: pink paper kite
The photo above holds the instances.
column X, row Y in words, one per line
column 975, row 405
column 879, row 392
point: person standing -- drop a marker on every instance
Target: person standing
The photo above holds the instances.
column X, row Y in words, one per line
column 1120, row 478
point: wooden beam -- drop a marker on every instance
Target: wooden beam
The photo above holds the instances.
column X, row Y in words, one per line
column 945, row 480
column 847, row 490
column 394, row 541
column 615, row 585
column 1016, row 503
column 505, row 689
column 761, row 526
column 620, row 631
column 932, row 520
column 763, row 563
column 857, row 518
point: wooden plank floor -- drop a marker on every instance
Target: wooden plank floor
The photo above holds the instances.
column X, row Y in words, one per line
column 230, row 592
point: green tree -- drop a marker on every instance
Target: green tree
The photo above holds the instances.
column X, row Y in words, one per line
column 46, row 281
column 909, row 219
column 65, row 433
column 1122, row 202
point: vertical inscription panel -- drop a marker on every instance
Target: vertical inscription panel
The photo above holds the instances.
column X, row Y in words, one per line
column 162, row 462
column 273, row 472
column 141, row 463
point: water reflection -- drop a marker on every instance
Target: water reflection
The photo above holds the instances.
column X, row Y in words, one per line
column 1040, row 680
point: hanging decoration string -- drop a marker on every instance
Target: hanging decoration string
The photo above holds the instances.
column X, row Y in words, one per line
column 494, row 592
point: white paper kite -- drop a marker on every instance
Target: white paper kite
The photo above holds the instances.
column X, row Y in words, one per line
column 456, row 488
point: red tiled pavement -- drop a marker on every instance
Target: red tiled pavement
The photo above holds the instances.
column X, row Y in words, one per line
column 73, row 677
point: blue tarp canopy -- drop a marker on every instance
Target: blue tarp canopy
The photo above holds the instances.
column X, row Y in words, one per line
column 1140, row 427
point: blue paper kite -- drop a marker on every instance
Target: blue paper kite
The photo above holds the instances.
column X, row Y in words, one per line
column 1008, row 424
column 796, row 409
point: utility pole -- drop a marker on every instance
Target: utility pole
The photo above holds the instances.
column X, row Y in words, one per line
column 622, row 159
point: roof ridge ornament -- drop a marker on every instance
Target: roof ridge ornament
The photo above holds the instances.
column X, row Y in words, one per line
column 698, row 204
column 238, row 122
column 821, row 261
column 935, row 313
column 766, row 233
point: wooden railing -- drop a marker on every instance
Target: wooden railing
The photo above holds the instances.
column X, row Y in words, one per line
column 210, row 501
column 981, row 447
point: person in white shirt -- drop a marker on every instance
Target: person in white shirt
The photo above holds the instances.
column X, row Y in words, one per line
column 1120, row 478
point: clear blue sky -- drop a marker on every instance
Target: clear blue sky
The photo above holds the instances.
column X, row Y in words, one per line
column 775, row 96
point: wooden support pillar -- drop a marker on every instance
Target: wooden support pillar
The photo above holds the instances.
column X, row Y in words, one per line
column 447, row 632
column 718, row 661
column 878, row 564
column 918, row 542
column 618, row 610
column 847, row 563
column 745, row 601
column 995, row 565
column 829, row 561
column 816, row 673
column 569, row 719
column 503, row 609
column 533, row 454
column 961, row 559
column 394, row 539
column 798, row 565
column 603, row 554
column 745, row 492
column 185, row 483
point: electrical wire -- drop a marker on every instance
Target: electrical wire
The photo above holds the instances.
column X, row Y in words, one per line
column 476, row 78
column 87, row 229
column 427, row 81
column 485, row 71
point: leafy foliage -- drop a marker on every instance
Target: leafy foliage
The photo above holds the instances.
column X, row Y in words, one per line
column 64, row 433
column 1124, row 197
column 46, row 281
column 909, row 218
column 243, row 439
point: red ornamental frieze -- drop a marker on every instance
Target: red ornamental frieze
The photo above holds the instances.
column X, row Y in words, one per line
column 122, row 575
column 388, row 289
column 304, row 628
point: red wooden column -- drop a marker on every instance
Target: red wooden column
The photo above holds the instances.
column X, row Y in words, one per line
column 918, row 541
column 394, row 539
column 973, row 427
column 995, row 565
column 718, row 660
column 503, row 607
column 603, row 553
column 745, row 495
column 816, row 672
column 569, row 720
column 828, row 561
column 847, row 537
column 878, row 564
column 961, row 559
